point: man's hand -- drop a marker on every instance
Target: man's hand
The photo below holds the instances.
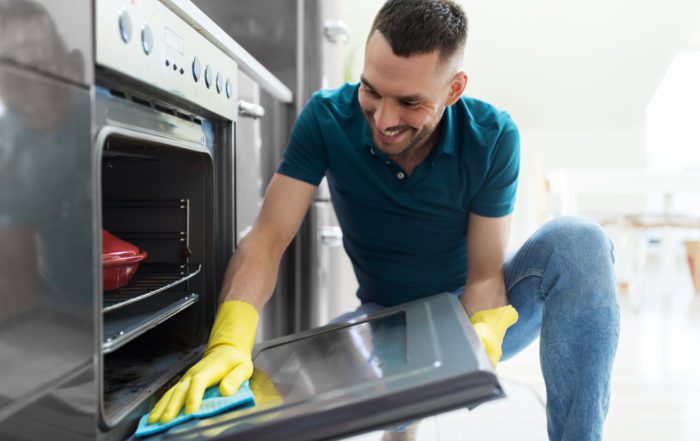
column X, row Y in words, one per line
column 249, row 279
column 491, row 325
column 227, row 362
column 264, row 391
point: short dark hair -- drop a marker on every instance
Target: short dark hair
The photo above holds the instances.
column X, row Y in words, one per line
column 414, row 27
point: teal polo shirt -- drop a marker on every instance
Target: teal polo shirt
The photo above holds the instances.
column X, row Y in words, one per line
column 406, row 235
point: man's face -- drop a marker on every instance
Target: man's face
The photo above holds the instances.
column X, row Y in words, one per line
column 403, row 99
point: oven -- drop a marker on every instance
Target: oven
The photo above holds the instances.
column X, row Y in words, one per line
column 117, row 117
column 156, row 190
column 165, row 105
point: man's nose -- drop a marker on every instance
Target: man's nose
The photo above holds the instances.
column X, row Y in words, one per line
column 386, row 115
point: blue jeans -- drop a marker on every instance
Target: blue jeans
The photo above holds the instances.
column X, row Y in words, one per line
column 562, row 284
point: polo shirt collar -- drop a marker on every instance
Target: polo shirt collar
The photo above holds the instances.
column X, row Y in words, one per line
column 447, row 131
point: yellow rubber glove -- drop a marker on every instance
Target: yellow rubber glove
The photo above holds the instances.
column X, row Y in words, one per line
column 227, row 362
column 491, row 325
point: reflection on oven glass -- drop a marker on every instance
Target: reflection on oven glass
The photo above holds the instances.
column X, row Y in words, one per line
column 336, row 359
column 29, row 35
column 340, row 359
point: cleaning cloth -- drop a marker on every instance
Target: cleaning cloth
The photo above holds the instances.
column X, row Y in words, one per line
column 212, row 403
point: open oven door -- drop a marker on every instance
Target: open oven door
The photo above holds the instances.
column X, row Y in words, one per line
column 373, row 371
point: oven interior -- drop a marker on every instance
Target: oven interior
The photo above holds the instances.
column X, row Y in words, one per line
column 159, row 197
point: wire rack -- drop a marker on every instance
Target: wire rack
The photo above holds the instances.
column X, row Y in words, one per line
column 150, row 280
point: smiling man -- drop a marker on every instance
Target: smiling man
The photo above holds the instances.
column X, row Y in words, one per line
column 423, row 181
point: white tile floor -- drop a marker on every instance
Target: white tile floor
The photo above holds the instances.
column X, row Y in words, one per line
column 520, row 416
column 655, row 386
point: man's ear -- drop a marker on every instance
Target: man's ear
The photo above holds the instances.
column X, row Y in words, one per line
column 457, row 86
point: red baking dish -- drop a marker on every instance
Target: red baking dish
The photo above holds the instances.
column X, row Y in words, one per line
column 120, row 260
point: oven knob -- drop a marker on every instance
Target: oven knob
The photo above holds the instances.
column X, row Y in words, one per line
column 207, row 76
column 196, row 69
column 229, row 88
column 147, row 39
column 125, row 26
column 219, row 82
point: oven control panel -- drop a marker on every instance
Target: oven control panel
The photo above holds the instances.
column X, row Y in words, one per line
column 145, row 40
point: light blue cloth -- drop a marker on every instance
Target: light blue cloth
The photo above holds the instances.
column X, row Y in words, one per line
column 212, row 403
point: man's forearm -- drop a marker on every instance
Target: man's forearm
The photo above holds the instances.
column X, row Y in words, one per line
column 251, row 274
column 484, row 293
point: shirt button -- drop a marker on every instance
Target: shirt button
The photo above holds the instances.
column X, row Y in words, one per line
column 400, row 175
column 372, row 151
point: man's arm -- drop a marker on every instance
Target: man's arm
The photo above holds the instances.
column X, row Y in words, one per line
column 248, row 283
column 484, row 297
column 486, row 248
column 252, row 272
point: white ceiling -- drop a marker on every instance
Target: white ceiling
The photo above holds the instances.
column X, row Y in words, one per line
column 571, row 63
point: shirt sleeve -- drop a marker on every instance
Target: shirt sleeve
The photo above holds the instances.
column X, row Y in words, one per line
column 305, row 157
column 496, row 197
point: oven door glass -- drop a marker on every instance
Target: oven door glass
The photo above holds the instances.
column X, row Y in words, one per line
column 403, row 363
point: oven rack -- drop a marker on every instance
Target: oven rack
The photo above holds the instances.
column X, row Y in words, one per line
column 149, row 280
column 128, row 323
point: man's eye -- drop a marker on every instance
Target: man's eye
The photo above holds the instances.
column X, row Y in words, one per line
column 410, row 103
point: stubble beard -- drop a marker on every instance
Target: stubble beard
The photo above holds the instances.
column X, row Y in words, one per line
column 419, row 140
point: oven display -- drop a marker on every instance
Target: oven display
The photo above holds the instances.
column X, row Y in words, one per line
column 174, row 41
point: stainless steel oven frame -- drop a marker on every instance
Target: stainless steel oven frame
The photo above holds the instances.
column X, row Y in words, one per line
column 93, row 71
column 130, row 111
column 165, row 99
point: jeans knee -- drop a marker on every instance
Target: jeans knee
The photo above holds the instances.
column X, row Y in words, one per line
column 581, row 239
column 580, row 262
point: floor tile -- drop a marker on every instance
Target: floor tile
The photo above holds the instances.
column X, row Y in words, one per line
column 521, row 416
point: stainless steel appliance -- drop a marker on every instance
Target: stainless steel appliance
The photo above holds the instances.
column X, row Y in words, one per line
column 333, row 284
column 248, row 158
column 140, row 142
column 331, row 280
column 46, row 258
column 261, row 126
column 164, row 112
column 305, row 44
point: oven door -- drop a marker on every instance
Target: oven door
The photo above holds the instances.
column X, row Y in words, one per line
column 366, row 373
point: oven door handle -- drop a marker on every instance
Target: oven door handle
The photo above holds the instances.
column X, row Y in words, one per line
column 250, row 110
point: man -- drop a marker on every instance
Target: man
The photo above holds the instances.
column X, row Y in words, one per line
column 423, row 182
